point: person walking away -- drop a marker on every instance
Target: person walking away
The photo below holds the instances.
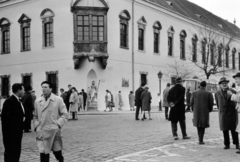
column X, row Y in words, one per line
column 146, row 98
column 165, row 102
column 138, row 101
column 120, row 101
column 159, row 102
column 84, row 99
column 177, row 112
column 13, row 116
column 73, row 101
column 131, row 100
column 202, row 101
column 49, row 117
column 188, row 97
column 111, row 104
column 227, row 113
column 80, row 105
column 28, row 108
column 69, row 92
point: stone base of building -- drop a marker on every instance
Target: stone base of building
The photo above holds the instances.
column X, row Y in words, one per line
column 92, row 106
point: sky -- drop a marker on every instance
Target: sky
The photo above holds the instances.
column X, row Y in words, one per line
column 226, row 9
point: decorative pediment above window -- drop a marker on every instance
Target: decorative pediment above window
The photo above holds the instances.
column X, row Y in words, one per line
column 194, row 38
column 143, row 72
column 183, row 34
column 26, row 74
column 24, row 19
column 5, row 76
column 234, row 50
column 51, row 72
column 142, row 22
column 89, row 3
column 4, row 24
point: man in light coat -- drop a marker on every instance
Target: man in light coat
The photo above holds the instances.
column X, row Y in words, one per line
column 202, row 103
column 49, row 117
column 165, row 102
column 236, row 98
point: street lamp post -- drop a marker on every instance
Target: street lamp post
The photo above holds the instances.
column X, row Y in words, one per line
column 160, row 74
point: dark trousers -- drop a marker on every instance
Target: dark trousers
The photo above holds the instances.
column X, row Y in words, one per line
column 137, row 112
column 201, row 132
column 166, row 112
column 27, row 124
column 46, row 157
column 160, row 106
column 234, row 137
column 182, row 126
column 84, row 104
column 12, row 142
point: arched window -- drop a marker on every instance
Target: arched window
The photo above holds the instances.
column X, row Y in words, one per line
column 220, row 48
column 156, row 33
column 227, row 56
column 25, row 21
column 204, row 43
column 194, row 48
column 124, row 28
column 47, row 27
column 5, row 32
column 183, row 35
column 141, row 33
column 212, row 53
column 233, row 58
column 170, row 40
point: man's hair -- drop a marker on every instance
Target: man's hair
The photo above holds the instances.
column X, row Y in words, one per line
column 47, row 82
column 16, row 87
column 168, row 85
column 61, row 89
column 69, row 85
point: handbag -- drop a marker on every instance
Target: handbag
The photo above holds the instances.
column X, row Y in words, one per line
column 111, row 104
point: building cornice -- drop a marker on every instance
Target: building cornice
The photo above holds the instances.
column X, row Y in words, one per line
column 13, row 2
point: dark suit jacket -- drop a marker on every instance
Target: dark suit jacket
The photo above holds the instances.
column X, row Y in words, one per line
column 176, row 95
column 138, row 101
column 12, row 118
column 27, row 101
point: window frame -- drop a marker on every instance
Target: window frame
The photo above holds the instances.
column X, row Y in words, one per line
column 220, row 47
column 5, row 28
column 227, row 57
column 203, row 49
column 194, row 48
column 170, row 41
column 212, row 54
column 156, row 40
column 143, row 73
column 124, row 18
column 25, row 23
column 183, row 36
column 4, row 86
column 233, row 58
column 142, row 23
column 57, row 81
column 98, row 27
column 26, row 75
column 83, row 27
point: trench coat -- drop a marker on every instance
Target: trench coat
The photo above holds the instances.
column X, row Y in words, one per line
column 176, row 96
column 120, row 102
column 236, row 98
column 131, row 100
column 227, row 113
column 202, row 103
column 165, row 95
column 146, row 100
column 73, row 101
column 49, row 118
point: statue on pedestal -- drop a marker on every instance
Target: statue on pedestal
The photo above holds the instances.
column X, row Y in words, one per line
column 93, row 92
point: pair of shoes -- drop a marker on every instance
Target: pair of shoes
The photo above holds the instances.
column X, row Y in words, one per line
column 186, row 137
column 137, row 119
column 142, row 119
column 237, row 146
column 238, row 152
column 150, row 118
column 175, row 138
column 226, row 147
column 201, row 143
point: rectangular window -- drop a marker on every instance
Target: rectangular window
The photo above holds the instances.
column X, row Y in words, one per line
column 212, row 55
column 48, row 27
column 26, row 80
column 123, row 35
column 143, row 79
column 83, row 28
column 182, row 48
column 140, row 39
column 227, row 59
column 220, row 57
column 156, row 42
column 26, row 38
column 203, row 53
column 238, row 61
column 5, row 86
column 194, row 51
column 53, row 79
column 233, row 60
column 5, row 41
column 97, row 28
column 170, row 45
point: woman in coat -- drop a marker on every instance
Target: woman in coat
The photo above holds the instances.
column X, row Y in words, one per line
column 165, row 101
column 146, row 102
column 228, row 116
column 73, row 100
column 131, row 100
column 120, row 101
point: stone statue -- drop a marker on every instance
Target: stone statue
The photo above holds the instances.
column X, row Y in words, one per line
column 93, row 92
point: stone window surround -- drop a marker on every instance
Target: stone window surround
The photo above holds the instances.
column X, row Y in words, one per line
column 9, row 83
column 5, row 27
column 124, row 20
column 171, row 32
column 25, row 23
column 57, row 80
column 27, row 74
column 183, row 36
column 156, row 29
column 142, row 23
column 194, row 42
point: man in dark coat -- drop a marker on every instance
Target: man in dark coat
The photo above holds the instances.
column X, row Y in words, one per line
column 13, row 117
column 202, row 103
column 138, row 101
column 69, row 92
column 84, row 99
column 228, row 115
column 177, row 113
column 188, row 97
column 146, row 98
column 27, row 101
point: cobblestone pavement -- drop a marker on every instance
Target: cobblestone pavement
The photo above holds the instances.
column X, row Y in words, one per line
column 117, row 137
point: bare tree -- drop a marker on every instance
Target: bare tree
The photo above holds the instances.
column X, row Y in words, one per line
column 213, row 49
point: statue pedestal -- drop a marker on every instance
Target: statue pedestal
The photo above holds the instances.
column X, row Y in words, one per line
column 92, row 106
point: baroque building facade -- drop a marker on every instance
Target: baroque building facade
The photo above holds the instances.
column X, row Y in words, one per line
column 119, row 44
